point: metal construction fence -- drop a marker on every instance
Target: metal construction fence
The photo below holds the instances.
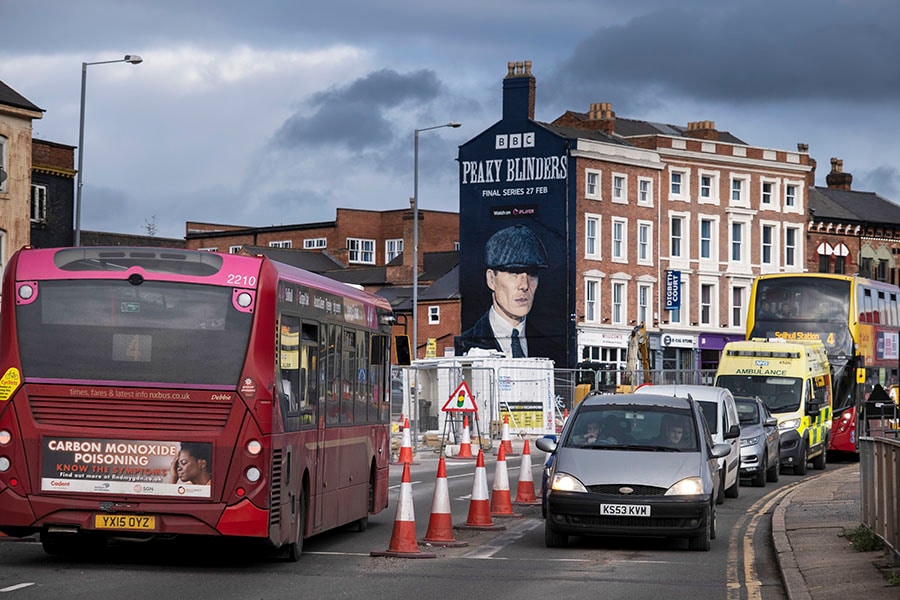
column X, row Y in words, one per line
column 530, row 394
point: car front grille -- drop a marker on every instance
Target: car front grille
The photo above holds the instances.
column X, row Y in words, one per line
column 616, row 490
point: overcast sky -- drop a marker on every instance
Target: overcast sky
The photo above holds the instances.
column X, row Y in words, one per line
column 280, row 111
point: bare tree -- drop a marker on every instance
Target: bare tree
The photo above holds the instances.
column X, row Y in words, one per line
column 150, row 226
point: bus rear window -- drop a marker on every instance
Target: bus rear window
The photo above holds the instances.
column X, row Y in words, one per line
column 156, row 332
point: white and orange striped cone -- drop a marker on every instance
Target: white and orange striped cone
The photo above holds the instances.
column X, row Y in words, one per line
column 406, row 456
column 465, row 442
column 403, row 542
column 440, row 524
column 501, row 502
column 525, row 488
column 505, row 441
column 480, row 505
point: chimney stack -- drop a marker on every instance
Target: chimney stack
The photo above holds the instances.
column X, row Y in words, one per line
column 602, row 117
column 837, row 179
column 518, row 91
column 702, row 130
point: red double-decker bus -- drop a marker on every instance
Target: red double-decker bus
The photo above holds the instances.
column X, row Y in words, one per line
column 156, row 392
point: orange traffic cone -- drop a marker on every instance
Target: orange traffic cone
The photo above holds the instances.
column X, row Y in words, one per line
column 406, row 456
column 465, row 443
column 501, row 503
column 403, row 539
column 505, row 442
column 479, row 505
column 525, row 488
column 440, row 525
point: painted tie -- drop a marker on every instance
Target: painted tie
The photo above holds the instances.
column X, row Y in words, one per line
column 516, row 345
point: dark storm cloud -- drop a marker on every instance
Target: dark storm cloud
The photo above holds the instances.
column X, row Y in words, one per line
column 742, row 52
column 355, row 115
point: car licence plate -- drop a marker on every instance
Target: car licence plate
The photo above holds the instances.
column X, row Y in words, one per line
column 625, row 510
column 130, row 522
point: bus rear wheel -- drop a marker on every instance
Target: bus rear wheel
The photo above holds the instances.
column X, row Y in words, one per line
column 295, row 548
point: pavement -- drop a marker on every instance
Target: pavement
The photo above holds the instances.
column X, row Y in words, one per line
column 810, row 529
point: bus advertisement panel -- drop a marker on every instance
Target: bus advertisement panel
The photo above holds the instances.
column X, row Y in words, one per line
column 207, row 394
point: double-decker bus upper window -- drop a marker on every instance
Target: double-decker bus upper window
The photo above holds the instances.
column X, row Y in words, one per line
column 161, row 332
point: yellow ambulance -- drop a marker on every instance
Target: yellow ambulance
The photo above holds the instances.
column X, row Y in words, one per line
column 794, row 380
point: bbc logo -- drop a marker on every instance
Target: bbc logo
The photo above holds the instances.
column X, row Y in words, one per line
column 512, row 141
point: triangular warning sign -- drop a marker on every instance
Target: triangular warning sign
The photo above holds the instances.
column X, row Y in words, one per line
column 461, row 400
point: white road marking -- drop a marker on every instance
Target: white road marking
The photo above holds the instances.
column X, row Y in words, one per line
column 18, row 586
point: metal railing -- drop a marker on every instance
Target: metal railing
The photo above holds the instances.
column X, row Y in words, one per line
column 879, row 468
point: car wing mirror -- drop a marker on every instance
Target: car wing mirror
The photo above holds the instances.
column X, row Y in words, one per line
column 733, row 432
column 546, row 443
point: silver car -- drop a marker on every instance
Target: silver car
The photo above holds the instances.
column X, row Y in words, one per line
column 633, row 465
column 760, row 441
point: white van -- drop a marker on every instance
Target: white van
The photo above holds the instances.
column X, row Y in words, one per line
column 721, row 416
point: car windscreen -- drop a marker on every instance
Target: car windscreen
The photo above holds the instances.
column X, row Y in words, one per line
column 111, row 330
column 633, row 427
column 780, row 394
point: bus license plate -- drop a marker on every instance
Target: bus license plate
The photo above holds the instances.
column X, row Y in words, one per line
column 131, row 522
column 625, row 510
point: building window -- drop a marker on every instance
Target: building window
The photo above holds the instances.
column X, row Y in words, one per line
column 620, row 189
column 768, row 189
column 280, row 244
column 434, row 315
column 824, row 263
column 676, row 183
column 737, row 190
column 591, row 234
column 315, row 244
column 737, row 240
column 645, row 243
column 790, row 247
column 591, row 300
column 675, row 237
column 592, row 184
column 767, row 235
column 619, row 240
column 3, row 166
column 706, row 303
column 737, row 307
column 618, row 303
column 790, row 195
column 392, row 249
column 882, row 270
column 38, row 203
column 361, row 251
column 706, row 228
column 706, row 187
column 675, row 315
column 234, row 249
column 865, row 266
column 645, row 192
column 644, row 295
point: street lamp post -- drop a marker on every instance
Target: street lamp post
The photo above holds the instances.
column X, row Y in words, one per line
column 415, row 277
column 129, row 58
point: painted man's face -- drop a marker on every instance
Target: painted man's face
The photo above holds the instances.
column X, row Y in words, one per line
column 513, row 293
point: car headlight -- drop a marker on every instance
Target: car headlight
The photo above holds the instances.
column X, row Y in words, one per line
column 789, row 424
column 749, row 441
column 566, row 483
column 689, row 486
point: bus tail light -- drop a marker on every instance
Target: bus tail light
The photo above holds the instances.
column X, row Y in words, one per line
column 4, row 464
column 252, row 474
column 5, row 437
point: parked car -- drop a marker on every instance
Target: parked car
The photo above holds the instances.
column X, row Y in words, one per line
column 721, row 416
column 632, row 465
column 760, row 441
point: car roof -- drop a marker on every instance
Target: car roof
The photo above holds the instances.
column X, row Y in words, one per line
column 643, row 399
column 697, row 392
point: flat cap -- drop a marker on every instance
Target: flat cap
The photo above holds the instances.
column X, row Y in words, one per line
column 515, row 248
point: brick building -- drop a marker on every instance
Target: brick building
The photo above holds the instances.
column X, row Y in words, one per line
column 52, row 194
column 369, row 248
column 649, row 209
column 16, row 116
